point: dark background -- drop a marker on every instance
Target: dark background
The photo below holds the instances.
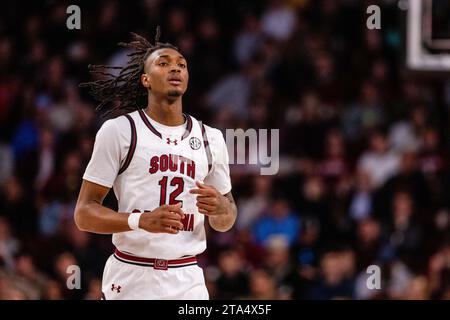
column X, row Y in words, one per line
column 364, row 176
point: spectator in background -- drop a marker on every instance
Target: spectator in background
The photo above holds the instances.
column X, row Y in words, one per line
column 410, row 178
column 306, row 254
column 413, row 94
column 334, row 164
column 262, row 286
column 83, row 247
column 307, row 245
column 233, row 281
column 406, row 136
column 46, row 157
column 94, row 291
column 309, row 118
column 361, row 202
column 27, row 278
column 10, row 87
column 52, row 291
column 368, row 243
column 250, row 250
column 7, row 161
column 277, row 260
column 333, row 282
column 380, row 73
column 7, row 289
column 177, row 22
column 61, row 265
column 417, row 289
column 61, row 112
column 431, row 161
column 258, row 109
column 325, row 77
column 24, row 144
column 405, row 233
column 248, row 40
column 233, row 92
column 279, row 219
column 314, row 202
column 440, row 228
column 364, row 114
column 9, row 245
column 439, row 272
column 348, row 263
column 211, row 50
column 278, row 21
column 398, row 279
column 379, row 162
column 18, row 208
column 60, row 195
column 250, row 208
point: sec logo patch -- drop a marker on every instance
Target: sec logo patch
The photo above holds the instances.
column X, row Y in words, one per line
column 195, row 143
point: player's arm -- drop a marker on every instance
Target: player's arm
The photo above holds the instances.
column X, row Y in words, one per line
column 225, row 221
column 92, row 216
column 220, row 209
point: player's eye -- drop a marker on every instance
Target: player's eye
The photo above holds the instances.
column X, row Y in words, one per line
column 182, row 65
column 163, row 64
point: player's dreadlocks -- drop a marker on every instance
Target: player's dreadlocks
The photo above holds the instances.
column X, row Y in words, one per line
column 124, row 93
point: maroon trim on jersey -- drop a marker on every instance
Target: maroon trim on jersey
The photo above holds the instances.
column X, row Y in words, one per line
column 156, row 132
column 160, row 264
column 207, row 148
column 188, row 126
column 132, row 145
column 148, row 124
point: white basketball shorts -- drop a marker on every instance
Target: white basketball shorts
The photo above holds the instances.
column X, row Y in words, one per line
column 128, row 277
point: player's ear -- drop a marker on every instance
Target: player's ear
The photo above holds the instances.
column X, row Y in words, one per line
column 145, row 80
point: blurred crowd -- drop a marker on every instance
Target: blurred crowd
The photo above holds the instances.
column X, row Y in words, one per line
column 364, row 146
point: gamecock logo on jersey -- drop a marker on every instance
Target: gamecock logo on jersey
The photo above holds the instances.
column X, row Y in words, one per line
column 195, row 143
column 161, row 264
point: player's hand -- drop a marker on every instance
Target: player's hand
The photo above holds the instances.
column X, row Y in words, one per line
column 210, row 201
column 164, row 219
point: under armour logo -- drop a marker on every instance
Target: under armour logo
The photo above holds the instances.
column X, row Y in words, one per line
column 175, row 141
column 113, row 287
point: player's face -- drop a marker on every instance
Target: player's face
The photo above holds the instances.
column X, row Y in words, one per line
column 166, row 73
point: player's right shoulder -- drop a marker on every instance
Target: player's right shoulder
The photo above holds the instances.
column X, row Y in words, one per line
column 119, row 123
column 116, row 129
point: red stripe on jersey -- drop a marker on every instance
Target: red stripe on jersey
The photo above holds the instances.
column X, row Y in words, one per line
column 132, row 145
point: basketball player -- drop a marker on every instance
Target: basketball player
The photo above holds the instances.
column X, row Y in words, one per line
column 167, row 169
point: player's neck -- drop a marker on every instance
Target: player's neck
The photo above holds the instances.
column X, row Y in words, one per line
column 169, row 113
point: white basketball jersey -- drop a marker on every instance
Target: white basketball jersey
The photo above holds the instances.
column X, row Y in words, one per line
column 156, row 167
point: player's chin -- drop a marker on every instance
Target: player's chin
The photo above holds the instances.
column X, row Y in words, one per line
column 174, row 93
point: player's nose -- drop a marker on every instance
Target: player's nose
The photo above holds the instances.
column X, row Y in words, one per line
column 175, row 69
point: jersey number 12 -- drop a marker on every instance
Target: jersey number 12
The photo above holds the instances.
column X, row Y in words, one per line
column 176, row 182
